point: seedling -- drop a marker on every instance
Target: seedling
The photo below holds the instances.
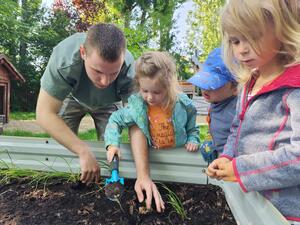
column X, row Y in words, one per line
column 175, row 202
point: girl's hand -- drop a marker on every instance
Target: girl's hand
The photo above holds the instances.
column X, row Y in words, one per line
column 191, row 147
column 111, row 151
column 226, row 172
column 212, row 168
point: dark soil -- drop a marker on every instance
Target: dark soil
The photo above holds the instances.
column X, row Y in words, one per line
column 65, row 203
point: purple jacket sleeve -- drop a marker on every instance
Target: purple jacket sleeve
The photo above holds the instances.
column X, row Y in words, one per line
column 273, row 169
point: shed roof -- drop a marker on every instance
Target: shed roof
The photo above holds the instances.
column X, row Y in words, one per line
column 13, row 72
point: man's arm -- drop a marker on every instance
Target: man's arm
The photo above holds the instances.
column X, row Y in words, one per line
column 46, row 116
column 143, row 182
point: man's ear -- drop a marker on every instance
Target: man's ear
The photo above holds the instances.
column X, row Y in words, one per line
column 82, row 52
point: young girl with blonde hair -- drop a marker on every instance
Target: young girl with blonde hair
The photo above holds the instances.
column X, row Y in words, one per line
column 166, row 116
column 262, row 46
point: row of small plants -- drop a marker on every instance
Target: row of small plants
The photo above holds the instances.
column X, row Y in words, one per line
column 9, row 172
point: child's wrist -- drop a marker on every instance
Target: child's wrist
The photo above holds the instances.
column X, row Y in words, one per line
column 108, row 147
column 111, row 148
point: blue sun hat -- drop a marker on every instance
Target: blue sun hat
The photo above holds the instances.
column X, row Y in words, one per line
column 213, row 74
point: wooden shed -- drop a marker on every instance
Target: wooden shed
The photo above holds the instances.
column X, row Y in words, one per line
column 7, row 73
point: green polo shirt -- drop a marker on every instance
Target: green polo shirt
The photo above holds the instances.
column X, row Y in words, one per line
column 65, row 74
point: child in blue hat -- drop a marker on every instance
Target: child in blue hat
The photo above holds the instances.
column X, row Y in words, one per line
column 219, row 88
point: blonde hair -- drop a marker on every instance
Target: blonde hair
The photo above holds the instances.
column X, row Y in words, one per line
column 293, row 7
column 160, row 66
column 250, row 19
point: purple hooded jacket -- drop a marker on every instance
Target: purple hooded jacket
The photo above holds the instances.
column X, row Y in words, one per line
column 264, row 144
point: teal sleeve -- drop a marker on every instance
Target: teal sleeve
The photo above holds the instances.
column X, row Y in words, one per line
column 118, row 120
column 192, row 129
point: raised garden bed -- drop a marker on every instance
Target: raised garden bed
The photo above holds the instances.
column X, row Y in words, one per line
column 60, row 202
column 176, row 165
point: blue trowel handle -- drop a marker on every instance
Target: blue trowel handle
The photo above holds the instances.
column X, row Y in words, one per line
column 115, row 172
column 115, row 163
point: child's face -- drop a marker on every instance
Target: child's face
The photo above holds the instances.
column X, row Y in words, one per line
column 265, row 59
column 152, row 91
column 220, row 94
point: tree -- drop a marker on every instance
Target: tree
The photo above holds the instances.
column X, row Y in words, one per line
column 28, row 34
column 9, row 28
column 204, row 22
column 142, row 19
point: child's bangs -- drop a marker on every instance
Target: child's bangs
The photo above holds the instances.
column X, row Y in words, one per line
column 244, row 20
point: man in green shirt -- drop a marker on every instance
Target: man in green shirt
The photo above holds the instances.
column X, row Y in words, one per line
column 91, row 73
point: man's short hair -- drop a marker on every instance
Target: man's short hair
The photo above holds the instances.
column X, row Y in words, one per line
column 107, row 39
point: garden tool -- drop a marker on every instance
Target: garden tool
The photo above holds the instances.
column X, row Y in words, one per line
column 114, row 186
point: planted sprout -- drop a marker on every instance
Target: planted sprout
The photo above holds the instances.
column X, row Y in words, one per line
column 10, row 171
column 175, row 202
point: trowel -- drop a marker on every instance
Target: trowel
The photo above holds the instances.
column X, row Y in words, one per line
column 114, row 185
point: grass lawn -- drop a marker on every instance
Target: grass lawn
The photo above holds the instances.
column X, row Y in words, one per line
column 89, row 135
column 22, row 116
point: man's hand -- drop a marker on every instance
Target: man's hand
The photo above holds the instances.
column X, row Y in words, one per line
column 47, row 117
column 150, row 188
column 90, row 170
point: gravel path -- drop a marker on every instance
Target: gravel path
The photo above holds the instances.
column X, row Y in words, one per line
column 31, row 125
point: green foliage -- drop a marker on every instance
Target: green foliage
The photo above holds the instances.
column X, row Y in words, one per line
column 137, row 41
column 8, row 172
column 23, row 93
column 22, row 133
column 9, row 26
column 175, row 202
column 162, row 17
column 183, row 66
column 125, row 136
column 142, row 20
column 22, row 116
column 36, row 177
column 88, row 135
column 203, row 132
column 204, row 32
column 28, row 34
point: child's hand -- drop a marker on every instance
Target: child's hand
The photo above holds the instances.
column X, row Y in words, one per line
column 226, row 172
column 214, row 167
column 111, row 151
column 191, row 147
